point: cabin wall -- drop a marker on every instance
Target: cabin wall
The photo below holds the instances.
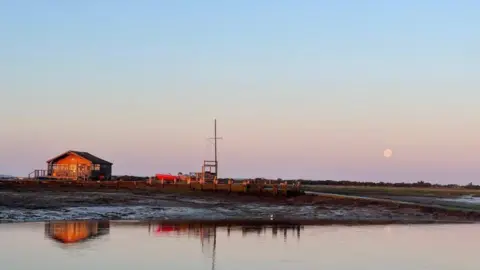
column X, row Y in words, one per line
column 71, row 166
column 105, row 172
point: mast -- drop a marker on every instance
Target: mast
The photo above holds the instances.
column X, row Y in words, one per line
column 215, row 143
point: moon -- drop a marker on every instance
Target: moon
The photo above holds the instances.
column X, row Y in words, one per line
column 387, row 153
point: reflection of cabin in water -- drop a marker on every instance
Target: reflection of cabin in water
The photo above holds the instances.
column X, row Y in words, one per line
column 76, row 165
column 75, row 231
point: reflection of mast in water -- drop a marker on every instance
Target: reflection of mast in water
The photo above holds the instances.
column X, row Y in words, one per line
column 198, row 231
column 214, row 246
column 206, row 233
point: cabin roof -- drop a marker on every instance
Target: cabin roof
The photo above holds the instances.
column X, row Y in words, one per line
column 85, row 155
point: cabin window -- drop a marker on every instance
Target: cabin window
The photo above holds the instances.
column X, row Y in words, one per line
column 96, row 167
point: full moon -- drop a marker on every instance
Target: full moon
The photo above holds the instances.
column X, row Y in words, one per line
column 387, row 153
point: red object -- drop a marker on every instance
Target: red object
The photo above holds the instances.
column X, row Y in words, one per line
column 166, row 177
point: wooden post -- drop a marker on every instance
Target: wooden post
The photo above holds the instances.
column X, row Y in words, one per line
column 189, row 182
column 262, row 186
column 163, row 182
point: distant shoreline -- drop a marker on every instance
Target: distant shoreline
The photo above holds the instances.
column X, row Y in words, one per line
column 350, row 183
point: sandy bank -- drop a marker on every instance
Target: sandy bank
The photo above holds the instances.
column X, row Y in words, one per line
column 18, row 206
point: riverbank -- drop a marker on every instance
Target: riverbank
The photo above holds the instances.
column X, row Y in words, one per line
column 25, row 205
column 376, row 191
column 458, row 198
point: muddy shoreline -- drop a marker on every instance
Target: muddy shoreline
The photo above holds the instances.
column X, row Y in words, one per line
column 48, row 205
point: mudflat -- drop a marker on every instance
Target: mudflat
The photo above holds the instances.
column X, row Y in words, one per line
column 42, row 205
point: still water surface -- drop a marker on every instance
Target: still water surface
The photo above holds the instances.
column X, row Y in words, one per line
column 110, row 245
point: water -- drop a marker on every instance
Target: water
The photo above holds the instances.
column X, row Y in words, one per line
column 465, row 199
column 85, row 245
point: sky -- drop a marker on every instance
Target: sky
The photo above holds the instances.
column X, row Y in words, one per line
column 300, row 89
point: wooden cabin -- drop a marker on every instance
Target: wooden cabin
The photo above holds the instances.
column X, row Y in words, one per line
column 76, row 165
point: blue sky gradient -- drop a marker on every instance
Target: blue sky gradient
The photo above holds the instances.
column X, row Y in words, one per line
column 312, row 89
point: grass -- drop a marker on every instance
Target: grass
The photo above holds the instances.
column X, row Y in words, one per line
column 393, row 191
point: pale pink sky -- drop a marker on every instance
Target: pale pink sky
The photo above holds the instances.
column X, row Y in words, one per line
column 312, row 90
column 254, row 146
